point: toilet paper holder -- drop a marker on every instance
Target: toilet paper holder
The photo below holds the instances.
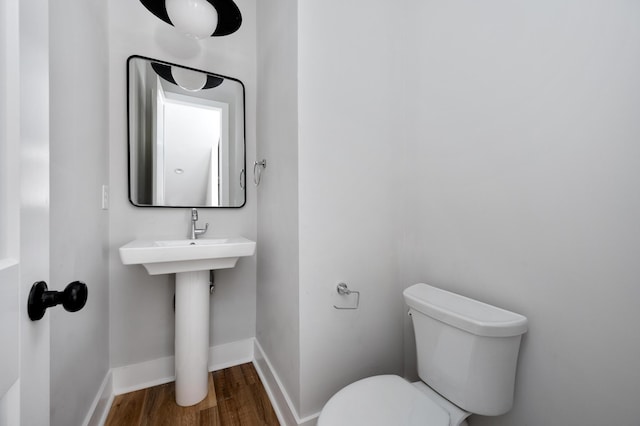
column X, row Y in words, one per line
column 343, row 290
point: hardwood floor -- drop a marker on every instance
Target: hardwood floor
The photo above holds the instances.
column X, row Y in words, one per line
column 236, row 398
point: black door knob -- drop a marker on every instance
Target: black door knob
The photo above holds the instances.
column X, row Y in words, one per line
column 73, row 298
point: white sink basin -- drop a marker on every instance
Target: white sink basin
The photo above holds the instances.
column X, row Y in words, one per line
column 174, row 256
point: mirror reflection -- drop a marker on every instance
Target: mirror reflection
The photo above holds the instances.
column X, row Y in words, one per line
column 186, row 136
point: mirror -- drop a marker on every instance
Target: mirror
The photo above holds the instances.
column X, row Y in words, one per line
column 186, row 136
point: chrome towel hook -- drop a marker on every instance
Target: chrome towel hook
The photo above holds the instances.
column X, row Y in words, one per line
column 343, row 290
column 243, row 178
column 258, row 167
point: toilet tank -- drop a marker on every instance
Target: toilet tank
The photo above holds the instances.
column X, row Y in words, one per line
column 467, row 350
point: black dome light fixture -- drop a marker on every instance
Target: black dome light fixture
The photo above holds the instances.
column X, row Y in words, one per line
column 198, row 18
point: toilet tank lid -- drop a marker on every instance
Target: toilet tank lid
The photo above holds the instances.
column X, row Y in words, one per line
column 467, row 314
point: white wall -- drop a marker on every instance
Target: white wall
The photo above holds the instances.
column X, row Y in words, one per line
column 79, row 236
column 349, row 138
column 141, row 314
column 489, row 149
column 278, row 291
column 327, row 200
column 523, row 168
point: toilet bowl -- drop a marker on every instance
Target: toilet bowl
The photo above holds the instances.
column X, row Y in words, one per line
column 390, row 400
column 467, row 356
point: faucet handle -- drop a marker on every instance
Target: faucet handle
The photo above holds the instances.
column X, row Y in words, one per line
column 199, row 231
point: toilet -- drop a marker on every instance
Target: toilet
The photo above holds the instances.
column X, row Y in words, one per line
column 467, row 353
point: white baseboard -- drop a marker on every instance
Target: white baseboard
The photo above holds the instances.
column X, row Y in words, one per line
column 280, row 400
column 162, row 370
column 143, row 375
column 230, row 354
column 101, row 404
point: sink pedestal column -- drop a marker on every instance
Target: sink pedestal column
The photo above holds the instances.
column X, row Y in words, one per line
column 192, row 337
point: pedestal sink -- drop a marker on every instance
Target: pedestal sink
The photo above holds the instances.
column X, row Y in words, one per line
column 191, row 261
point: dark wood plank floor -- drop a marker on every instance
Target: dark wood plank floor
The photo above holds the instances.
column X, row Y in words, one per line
column 236, row 398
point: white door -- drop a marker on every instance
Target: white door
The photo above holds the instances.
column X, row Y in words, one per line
column 24, row 209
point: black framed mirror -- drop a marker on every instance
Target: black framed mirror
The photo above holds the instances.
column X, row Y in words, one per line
column 186, row 136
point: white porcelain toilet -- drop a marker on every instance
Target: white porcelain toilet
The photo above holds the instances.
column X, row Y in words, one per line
column 467, row 356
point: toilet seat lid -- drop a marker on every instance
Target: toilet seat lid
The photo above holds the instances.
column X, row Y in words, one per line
column 382, row 400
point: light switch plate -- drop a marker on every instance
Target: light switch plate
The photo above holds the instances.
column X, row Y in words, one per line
column 105, row 197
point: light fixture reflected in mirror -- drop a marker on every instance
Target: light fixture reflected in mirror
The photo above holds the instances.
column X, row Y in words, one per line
column 185, row 78
column 198, row 18
column 188, row 79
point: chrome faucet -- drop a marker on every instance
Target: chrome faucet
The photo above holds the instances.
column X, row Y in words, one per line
column 194, row 229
